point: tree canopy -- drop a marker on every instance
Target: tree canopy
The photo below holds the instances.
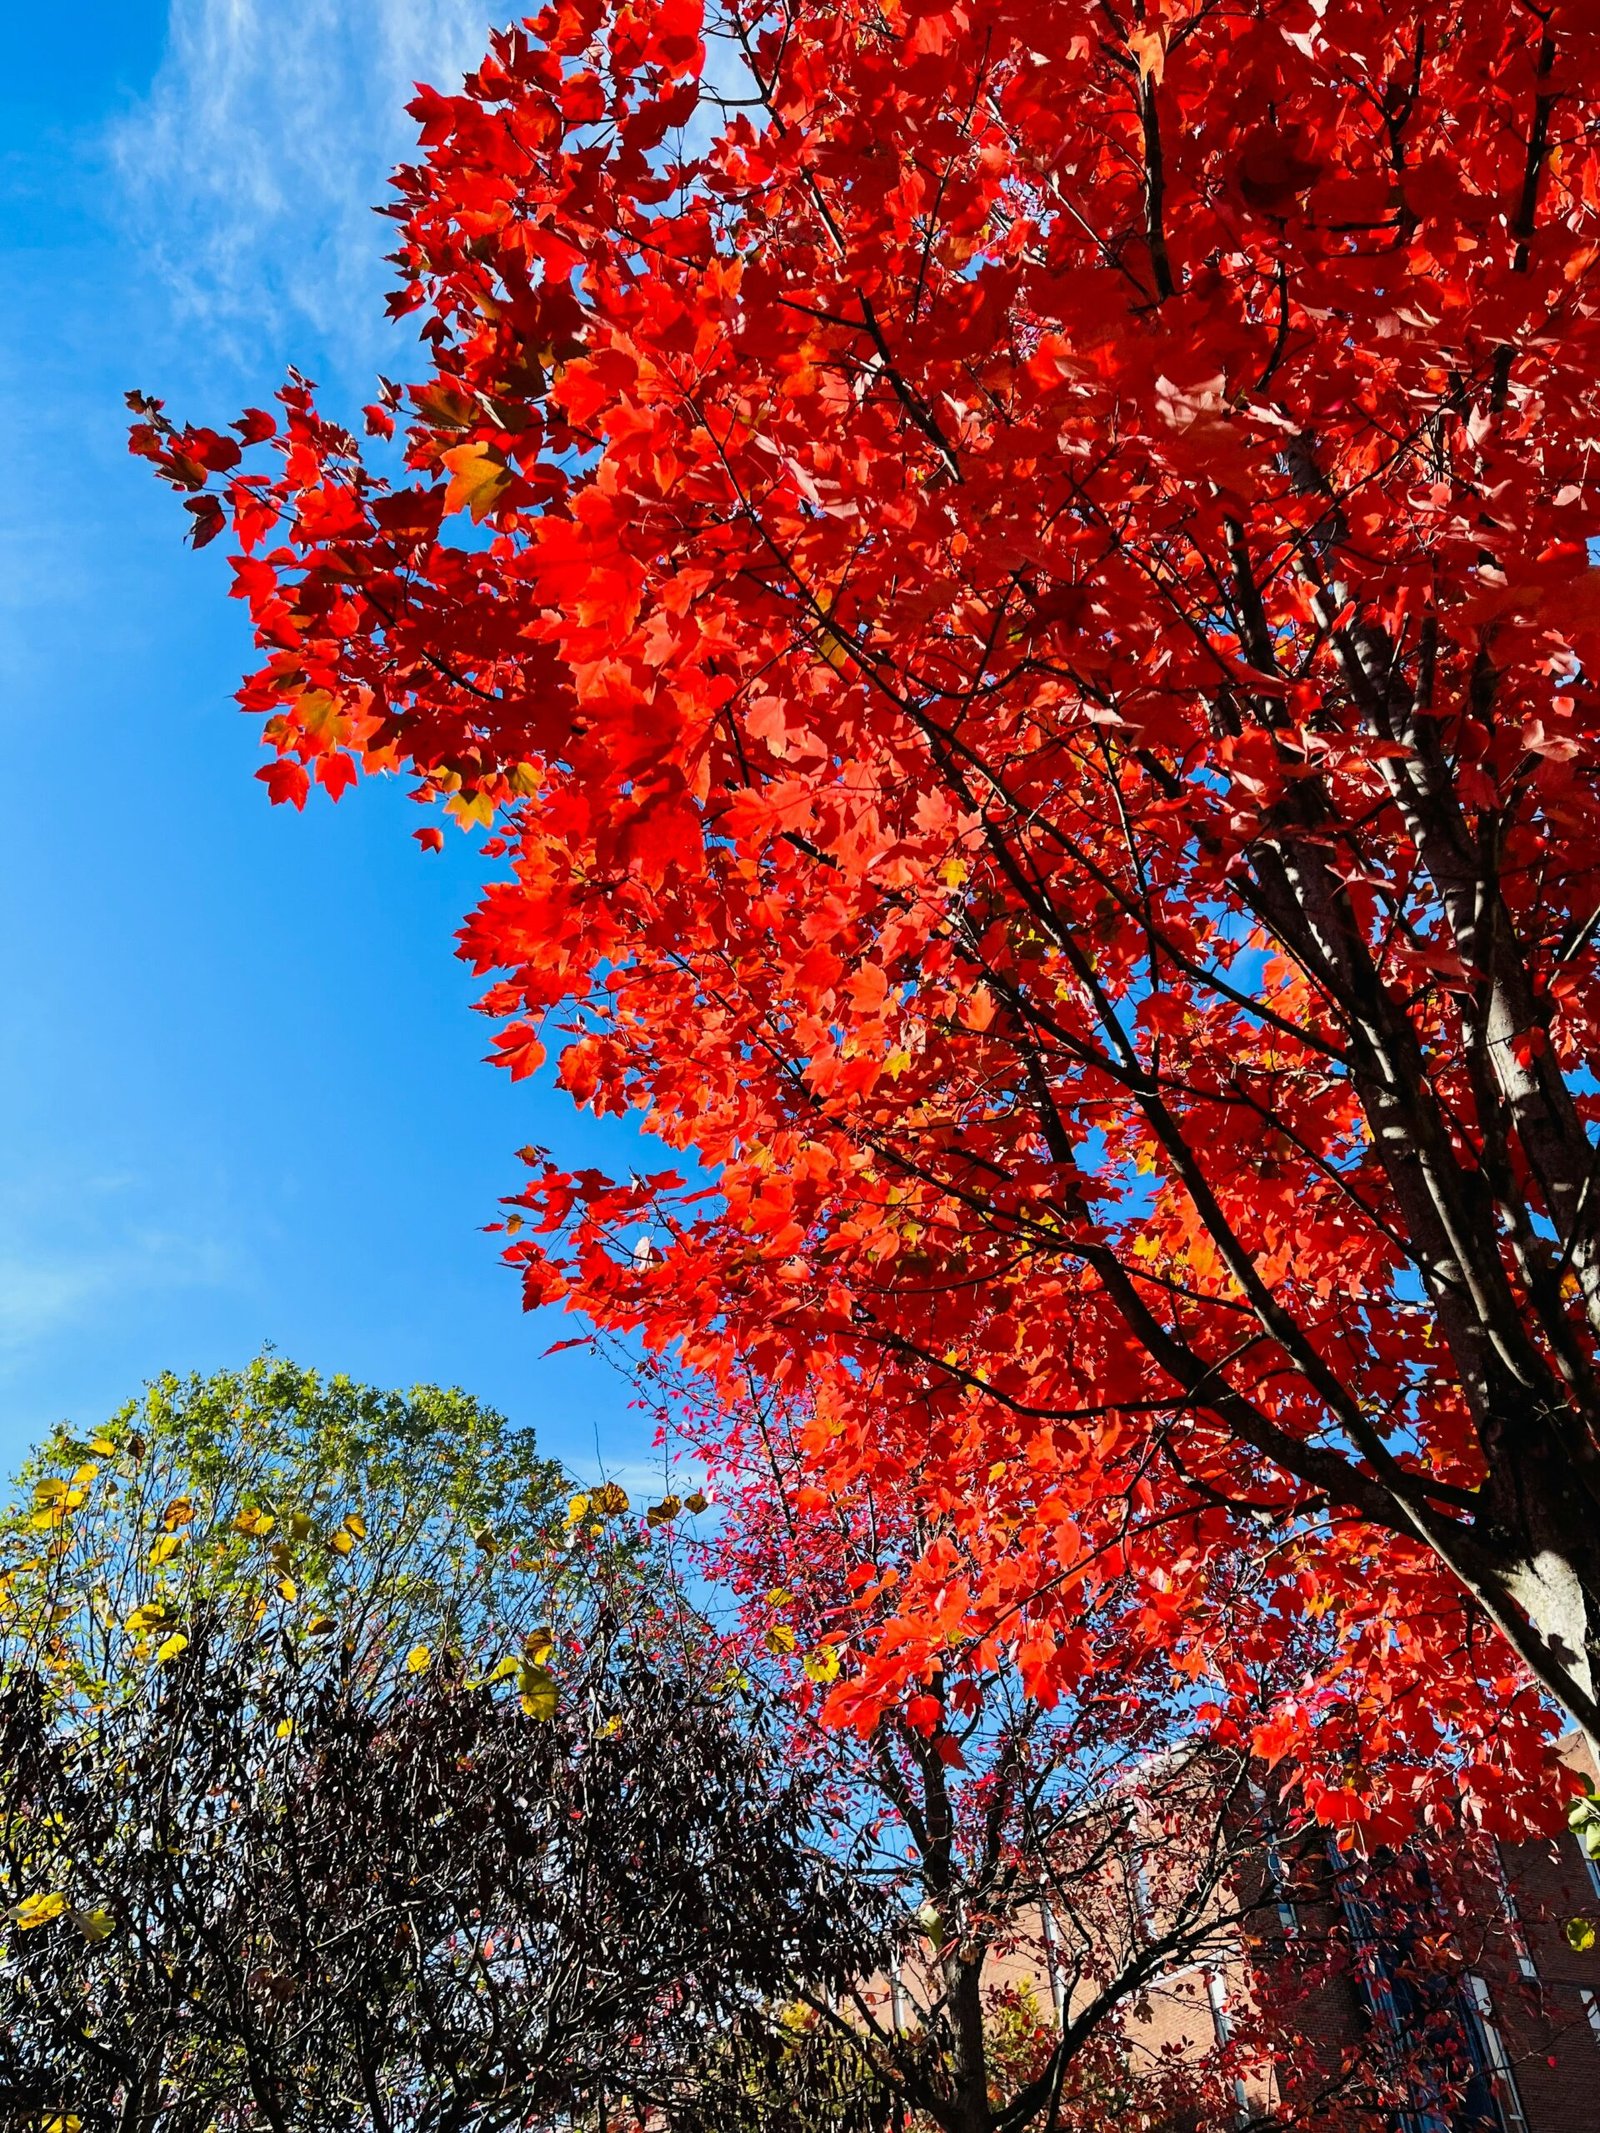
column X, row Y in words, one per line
column 325, row 1803
column 1011, row 583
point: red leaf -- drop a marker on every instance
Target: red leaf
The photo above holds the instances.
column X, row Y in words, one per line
column 285, row 780
column 336, row 773
column 209, row 519
column 519, row 1049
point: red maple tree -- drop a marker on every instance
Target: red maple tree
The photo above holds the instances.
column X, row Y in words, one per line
column 1082, row 1879
column 1012, row 581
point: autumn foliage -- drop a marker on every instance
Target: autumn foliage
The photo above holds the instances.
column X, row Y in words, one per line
column 1011, row 583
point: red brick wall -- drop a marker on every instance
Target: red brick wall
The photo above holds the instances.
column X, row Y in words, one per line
column 1555, row 2049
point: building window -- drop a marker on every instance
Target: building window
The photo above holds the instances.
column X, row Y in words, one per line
column 1496, row 2059
column 1222, row 2029
column 1513, row 1919
column 1139, row 1890
column 897, row 1996
column 1052, row 1963
column 1279, row 1882
column 1277, row 1879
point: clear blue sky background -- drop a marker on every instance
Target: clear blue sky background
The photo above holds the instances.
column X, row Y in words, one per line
column 242, row 1096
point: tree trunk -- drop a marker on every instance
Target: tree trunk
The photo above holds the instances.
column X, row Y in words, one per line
column 963, row 1983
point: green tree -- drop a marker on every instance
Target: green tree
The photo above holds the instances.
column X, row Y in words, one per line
column 421, row 1511
column 349, row 1777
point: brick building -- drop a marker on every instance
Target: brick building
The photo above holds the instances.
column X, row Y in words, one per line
column 1477, row 2005
column 1424, row 2007
column 1523, row 2000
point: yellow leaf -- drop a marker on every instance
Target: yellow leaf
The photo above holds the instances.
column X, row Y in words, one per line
column 49, row 1491
column 1580, row 1935
column 355, row 1524
column 505, row 1669
column 540, row 1644
column 468, row 808
column 833, row 647
column 611, row 1499
column 299, row 1524
column 285, row 1728
column 320, row 713
column 780, row 1639
column 153, row 1615
column 257, row 1524
column 170, row 1647
column 780, row 1596
column 97, row 1924
column 38, row 1910
column 418, row 1659
column 165, row 1548
column 696, row 1503
column 664, row 1512
column 539, row 1692
column 578, row 1509
column 443, row 405
column 342, row 1542
column 178, row 1513
column 288, row 1590
column 478, row 478
column 320, row 1625
column 64, row 2122
column 822, row 1665
column 101, row 1445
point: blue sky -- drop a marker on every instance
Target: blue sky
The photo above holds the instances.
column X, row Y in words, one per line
column 243, row 1095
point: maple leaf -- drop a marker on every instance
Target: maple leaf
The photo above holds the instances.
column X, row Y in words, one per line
column 1149, row 48
column 286, row 780
column 336, row 773
column 519, row 1049
column 664, row 832
column 209, row 520
column 479, row 477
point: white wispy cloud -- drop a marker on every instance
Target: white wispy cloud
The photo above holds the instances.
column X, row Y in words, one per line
column 47, row 1292
column 250, row 171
